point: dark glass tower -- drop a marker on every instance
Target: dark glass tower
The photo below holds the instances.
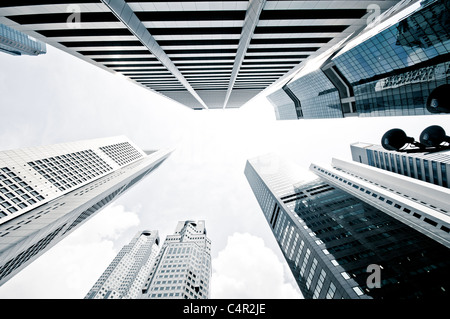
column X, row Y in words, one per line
column 333, row 241
column 396, row 66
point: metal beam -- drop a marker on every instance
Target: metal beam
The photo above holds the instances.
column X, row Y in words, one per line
column 251, row 20
column 127, row 16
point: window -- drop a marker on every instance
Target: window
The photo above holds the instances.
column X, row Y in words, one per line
column 15, row 193
column 358, row 291
column 311, row 273
column 429, row 221
column 435, row 172
column 444, row 175
column 319, row 284
column 411, row 166
column 393, row 163
column 331, row 291
column 399, row 168
column 427, row 170
column 370, row 157
column 405, row 167
column 305, row 261
column 122, row 153
column 376, row 159
column 386, row 159
column 345, row 275
column 419, row 169
column 69, row 170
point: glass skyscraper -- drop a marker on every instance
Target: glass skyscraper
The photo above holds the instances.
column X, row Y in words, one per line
column 202, row 54
column 182, row 269
column 48, row 191
column 398, row 65
column 432, row 168
column 14, row 42
column 341, row 244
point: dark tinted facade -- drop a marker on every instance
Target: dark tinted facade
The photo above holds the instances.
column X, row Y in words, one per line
column 358, row 235
column 330, row 239
column 399, row 70
column 317, row 95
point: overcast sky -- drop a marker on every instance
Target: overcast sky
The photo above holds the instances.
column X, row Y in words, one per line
column 58, row 98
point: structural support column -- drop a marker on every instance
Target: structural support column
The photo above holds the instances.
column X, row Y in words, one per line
column 127, row 16
column 251, row 20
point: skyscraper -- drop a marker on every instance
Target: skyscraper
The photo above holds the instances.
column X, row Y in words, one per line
column 124, row 277
column 397, row 65
column 342, row 242
column 48, row 191
column 14, row 42
column 203, row 54
column 429, row 167
column 421, row 205
column 182, row 269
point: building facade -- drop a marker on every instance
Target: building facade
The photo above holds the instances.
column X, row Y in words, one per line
column 182, row 269
column 432, row 168
column 124, row 277
column 48, row 191
column 339, row 244
column 398, row 65
column 14, row 42
column 202, row 54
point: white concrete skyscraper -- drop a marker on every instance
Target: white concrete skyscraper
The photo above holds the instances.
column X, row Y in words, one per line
column 429, row 167
column 46, row 192
column 124, row 277
column 182, row 269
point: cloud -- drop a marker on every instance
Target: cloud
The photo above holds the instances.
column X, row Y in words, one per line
column 247, row 268
column 74, row 264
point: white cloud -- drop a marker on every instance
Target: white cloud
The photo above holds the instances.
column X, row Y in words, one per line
column 70, row 268
column 247, row 268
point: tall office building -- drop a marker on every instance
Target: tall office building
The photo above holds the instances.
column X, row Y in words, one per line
column 350, row 233
column 46, row 192
column 398, row 65
column 429, row 167
column 182, row 269
column 203, row 54
column 124, row 277
column 14, row 42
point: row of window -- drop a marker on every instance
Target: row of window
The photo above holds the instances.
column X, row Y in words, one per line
column 287, row 235
column 122, row 153
column 68, row 170
column 435, row 173
column 30, row 217
column 15, row 193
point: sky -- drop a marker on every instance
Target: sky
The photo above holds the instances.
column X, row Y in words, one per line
column 57, row 98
